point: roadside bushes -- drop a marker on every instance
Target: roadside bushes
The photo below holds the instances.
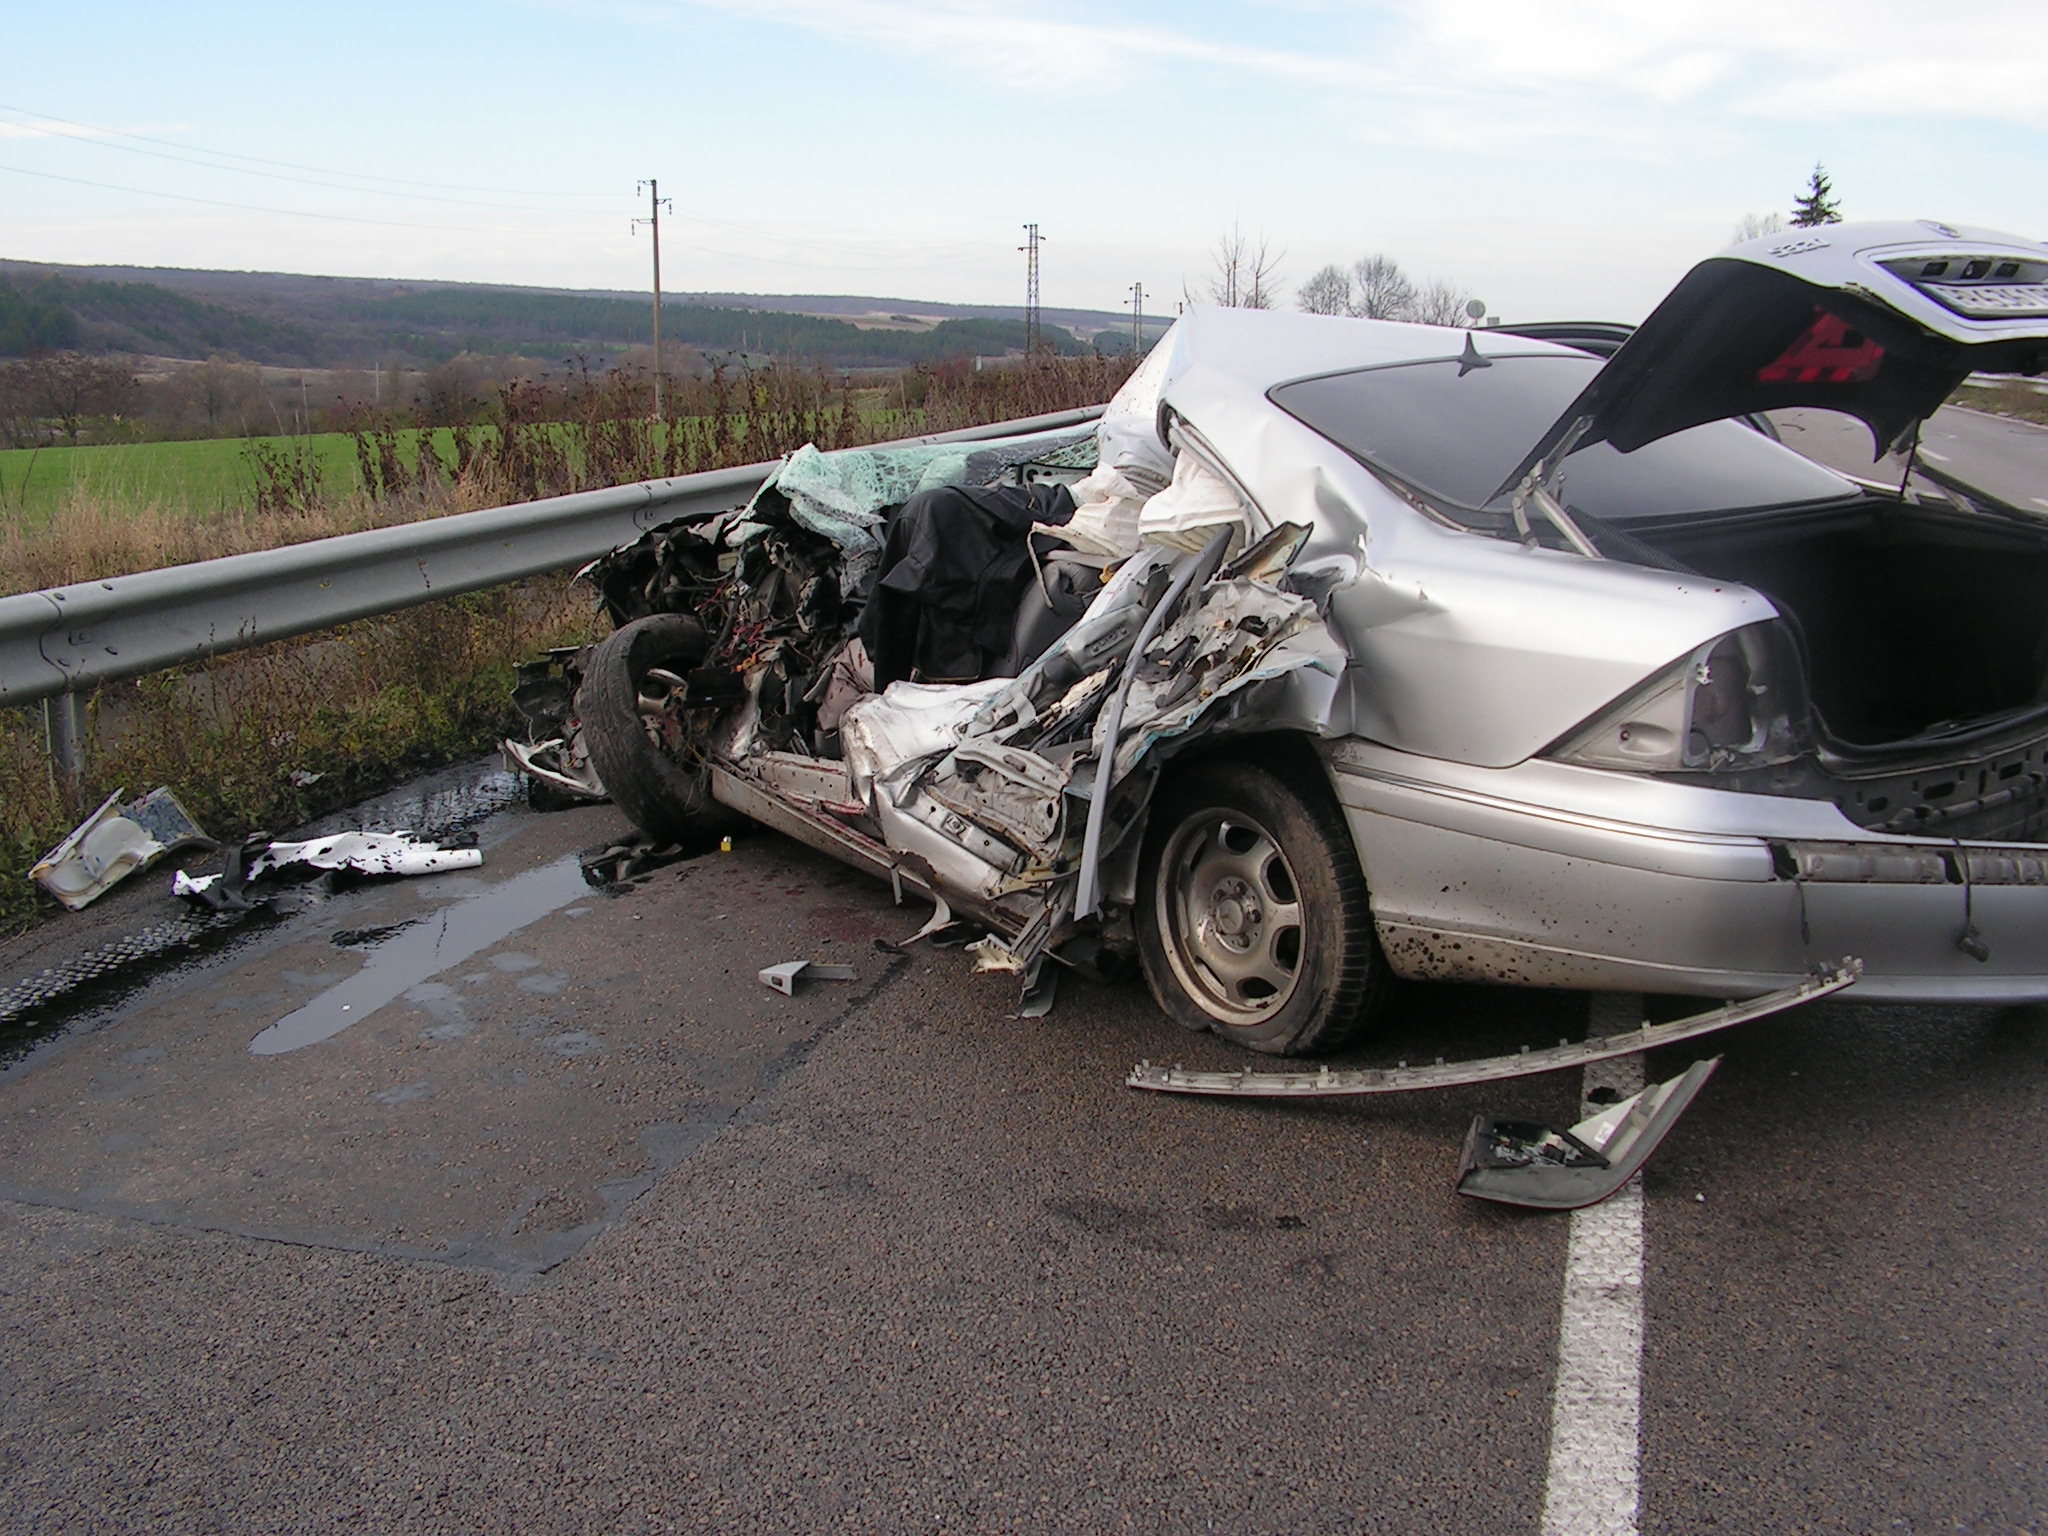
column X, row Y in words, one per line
column 550, row 436
column 267, row 739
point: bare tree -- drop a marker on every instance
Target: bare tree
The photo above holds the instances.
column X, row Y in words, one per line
column 1442, row 303
column 21, row 425
column 1247, row 274
column 1381, row 291
column 450, row 394
column 64, row 392
column 1326, row 293
column 226, row 390
column 1754, row 226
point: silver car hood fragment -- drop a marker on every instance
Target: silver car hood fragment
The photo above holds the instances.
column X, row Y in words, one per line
column 1880, row 321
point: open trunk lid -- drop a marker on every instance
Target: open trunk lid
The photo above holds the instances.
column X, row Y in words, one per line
column 1880, row 321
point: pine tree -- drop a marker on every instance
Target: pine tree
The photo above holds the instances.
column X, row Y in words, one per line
column 1816, row 205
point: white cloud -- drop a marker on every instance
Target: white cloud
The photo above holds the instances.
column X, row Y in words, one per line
column 1484, row 65
column 1030, row 47
column 1790, row 60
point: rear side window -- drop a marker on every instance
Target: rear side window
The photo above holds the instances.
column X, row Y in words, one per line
column 1454, row 437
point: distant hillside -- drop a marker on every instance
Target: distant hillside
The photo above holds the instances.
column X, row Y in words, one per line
column 297, row 321
column 52, row 311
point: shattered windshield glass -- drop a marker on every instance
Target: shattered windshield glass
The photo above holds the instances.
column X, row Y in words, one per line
column 1454, row 432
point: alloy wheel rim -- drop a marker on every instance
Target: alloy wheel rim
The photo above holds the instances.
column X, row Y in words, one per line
column 1230, row 915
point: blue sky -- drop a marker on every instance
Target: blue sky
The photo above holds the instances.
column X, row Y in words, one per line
column 1558, row 157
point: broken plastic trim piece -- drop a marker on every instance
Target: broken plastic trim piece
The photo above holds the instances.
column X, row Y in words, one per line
column 1403, row 1078
column 784, row 977
column 113, row 843
column 1520, row 1162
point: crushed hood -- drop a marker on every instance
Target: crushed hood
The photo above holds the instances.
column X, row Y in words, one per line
column 1881, row 321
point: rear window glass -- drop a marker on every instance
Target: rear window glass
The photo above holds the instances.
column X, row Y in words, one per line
column 1455, row 438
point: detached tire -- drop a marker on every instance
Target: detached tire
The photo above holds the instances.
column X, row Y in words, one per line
column 629, row 729
column 1252, row 913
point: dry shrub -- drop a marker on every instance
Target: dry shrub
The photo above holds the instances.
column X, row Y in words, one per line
column 956, row 394
column 90, row 536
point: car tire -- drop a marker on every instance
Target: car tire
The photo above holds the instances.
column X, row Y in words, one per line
column 1252, row 918
column 628, row 733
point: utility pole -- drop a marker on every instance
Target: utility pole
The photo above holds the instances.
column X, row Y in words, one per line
column 655, row 203
column 1137, row 318
column 1032, row 241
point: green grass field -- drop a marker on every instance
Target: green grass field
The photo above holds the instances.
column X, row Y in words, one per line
column 201, row 477
column 206, row 477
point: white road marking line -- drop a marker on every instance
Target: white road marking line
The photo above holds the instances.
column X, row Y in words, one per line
column 2041, row 501
column 1595, row 1433
column 1929, row 453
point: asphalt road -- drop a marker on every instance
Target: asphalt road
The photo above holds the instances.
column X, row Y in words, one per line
column 1999, row 454
column 592, row 1232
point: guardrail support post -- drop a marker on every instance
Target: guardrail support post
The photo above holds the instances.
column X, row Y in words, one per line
column 64, row 720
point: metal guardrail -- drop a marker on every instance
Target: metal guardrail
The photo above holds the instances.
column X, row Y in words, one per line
column 58, row 644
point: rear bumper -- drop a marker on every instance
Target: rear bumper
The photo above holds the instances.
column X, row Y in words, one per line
column 1552, row 876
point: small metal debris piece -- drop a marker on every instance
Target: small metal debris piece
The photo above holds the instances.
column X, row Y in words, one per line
column 113, row 843
column 783, row 978
column 1040, row 990
column 1523, row 1162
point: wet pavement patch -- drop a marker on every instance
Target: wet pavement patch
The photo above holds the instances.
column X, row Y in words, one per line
column 514, row 1066
column 100, row 976
column 410, row 953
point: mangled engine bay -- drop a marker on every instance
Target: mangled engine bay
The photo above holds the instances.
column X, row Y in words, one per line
column 748, row 646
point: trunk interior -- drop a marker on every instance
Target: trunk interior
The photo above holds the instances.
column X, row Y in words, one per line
column 1913, row 618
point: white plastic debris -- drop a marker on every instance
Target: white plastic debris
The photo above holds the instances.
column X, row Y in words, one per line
column 367, row 853
column 112, row 843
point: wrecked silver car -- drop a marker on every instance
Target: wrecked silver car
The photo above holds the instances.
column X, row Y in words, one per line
column 1343, row 650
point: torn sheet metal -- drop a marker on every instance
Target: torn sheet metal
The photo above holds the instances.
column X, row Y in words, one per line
column 1238, row 632
column 1523, row 1162
column 1325, row 1083
column 366, row 853
column 560, row 763
column 1014, row 794
column 783, row 978
column 906, row 725
column 1041, row 990
column 113, row 843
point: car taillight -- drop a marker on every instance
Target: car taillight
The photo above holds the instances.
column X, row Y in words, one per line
column 1734, row 703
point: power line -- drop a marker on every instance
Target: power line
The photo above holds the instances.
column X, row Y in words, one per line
column 295, row 213
column 308, row 181
column 955, row 255
column 290, row 165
